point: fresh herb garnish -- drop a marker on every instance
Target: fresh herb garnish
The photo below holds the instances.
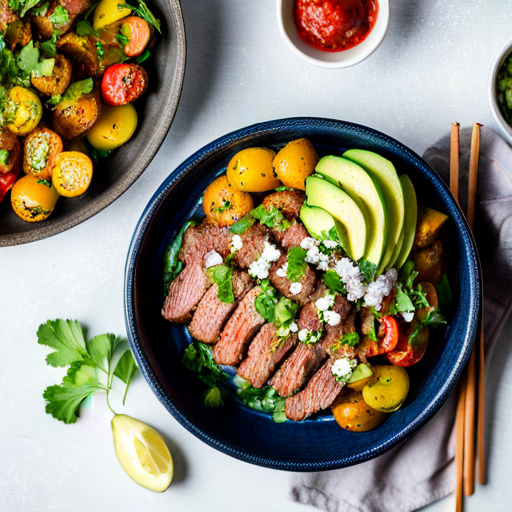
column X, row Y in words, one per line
column 22, row 6
column 444, row 294
column 84, row 28
column 282, row 188
column 432, row 320
column 351, row 339
column 408, row 297
column 272, row 218
column 333, row 281
column 222, row 276
column 4, row 156
column 284, row 314
column 90, row 366
column 221, row 209
column 241, row 226
column 265, row 302
column 28, row 64
column 296, row 264
column 367, row 270
column 142, row 57
column 59, row 16
column 49, row 47
column 143, row 12
column 73, row 92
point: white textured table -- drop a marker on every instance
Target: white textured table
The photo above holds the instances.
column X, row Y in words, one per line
column 431, row 70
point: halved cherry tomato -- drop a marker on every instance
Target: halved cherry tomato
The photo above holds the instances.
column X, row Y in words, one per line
column 388, row 337
column 7, row 181
column 407, row 354
column 123, row 83
column 138, row 33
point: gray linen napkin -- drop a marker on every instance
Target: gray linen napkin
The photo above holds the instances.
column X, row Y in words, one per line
column 379, row 484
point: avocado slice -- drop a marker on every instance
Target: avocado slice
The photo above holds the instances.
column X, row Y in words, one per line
column 319, row 223
column 383, row 173
column 398, row 248
column 354, row 180
column 321, row 193
column 411, row 217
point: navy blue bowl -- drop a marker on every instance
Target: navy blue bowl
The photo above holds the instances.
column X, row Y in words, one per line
column 317, row 443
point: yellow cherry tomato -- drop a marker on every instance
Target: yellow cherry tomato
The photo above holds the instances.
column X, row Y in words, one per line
column 388, row 389
column 223, row 204
column 295, row 162
column 33, row 199
column 115, row 126
column 72, row 173
column 250, row 170
column 26, row 109
column 107, row 12
column 354, row 414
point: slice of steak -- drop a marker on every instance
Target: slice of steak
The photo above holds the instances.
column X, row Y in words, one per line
column 283, row 284
column 288, row 201
column 265, row 353
column 335, row 332
column 308, row 318
column 239, row 331
column 291, row 236
column 297, row 369
column 200, row 240
column 185, row 292
column 253, row 241
column 367, row 320
column 334, row 347
column 211, row 313
column 319, row 394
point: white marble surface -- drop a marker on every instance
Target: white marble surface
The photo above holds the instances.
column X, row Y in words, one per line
column 431, row 70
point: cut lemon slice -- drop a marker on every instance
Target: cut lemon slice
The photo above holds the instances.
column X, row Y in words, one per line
column 143, row 453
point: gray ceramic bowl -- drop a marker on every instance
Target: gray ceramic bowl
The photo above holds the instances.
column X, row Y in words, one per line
column 113, row 175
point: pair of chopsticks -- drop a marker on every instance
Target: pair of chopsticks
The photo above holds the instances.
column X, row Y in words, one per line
column 471, row 398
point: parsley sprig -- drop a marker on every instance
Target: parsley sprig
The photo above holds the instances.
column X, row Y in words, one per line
column 90, row 366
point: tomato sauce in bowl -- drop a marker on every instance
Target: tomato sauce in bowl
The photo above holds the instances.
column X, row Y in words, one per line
column 335, row 25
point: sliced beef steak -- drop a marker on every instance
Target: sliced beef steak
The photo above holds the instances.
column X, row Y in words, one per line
column 283, row 284
column 292, row 236
column 336, row 332
column 253, row 244
column 319, row 394
column 297, row 369
column 308, row 318
column 337, row 350
column 200, row 240
column 212, row 313
column 239, row 331
column 265, row 353
column 185, row 292
column 288, row 201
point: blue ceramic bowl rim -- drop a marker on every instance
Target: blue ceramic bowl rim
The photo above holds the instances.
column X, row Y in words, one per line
column 235, row 451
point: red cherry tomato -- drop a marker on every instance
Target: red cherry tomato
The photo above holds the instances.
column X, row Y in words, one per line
column 123, row 83
column 138, row 33
column 407, row 354
column 388, row 340
column 7, row 181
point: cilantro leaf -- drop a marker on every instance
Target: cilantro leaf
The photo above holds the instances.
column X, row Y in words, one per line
column 40, row 10
column 351, row 339
column 59, row 16
column 222, row 276
column 125, row 370
column 272, row 218
column 285, row 311
column 296, row 264
column 28, row 62
column 242, row 225
column 143, row 12
column 49, row 47
column 22, row 6
column 4, row 156
column 101, row 348
column 265, row 301
column 367, row 269
column 403, row 303
column 432, row 320
column 67, row 338
column 84, row 28
column 407, row 275
column 333, row 281
column 213, row 397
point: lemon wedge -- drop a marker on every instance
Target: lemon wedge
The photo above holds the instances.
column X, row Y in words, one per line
column 143, row 453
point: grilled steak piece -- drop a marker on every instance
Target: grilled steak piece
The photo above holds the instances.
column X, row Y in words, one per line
column 292, row 236
column 337, row 350
column 319, row 394
column 253, row 244
column 185, row 292
column 308, row 318
column 283, row 284
column 239, row 331
column 200, row 240
column 335, row 332
column 367, row 320
column 212, row 313
column 288, row 201
column 297, row 369
column 265, row 353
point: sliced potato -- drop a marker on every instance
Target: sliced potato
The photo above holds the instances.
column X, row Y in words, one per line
column 58, row 81
column 82, row 54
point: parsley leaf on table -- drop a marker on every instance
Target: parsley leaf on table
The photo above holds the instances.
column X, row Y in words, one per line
column 125, row 370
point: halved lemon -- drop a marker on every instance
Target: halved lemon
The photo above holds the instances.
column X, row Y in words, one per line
column 143, row 453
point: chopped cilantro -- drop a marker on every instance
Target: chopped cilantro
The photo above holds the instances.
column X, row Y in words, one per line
column 22, row 6
column 333, row 282
column 296, row 264
column 4, row 156
column 142, row 57
column 49, row 47
column 265, row 301
column 221, row 209
column 73, row 92
column 351, row 339
column 282, row 188
column 28, row 62
column 272, row 218
column 285, row 311
column 242, row 225
column 84, row 28
column 432, row 320
column 222, row 276
column 367, row 270
column 59, row 16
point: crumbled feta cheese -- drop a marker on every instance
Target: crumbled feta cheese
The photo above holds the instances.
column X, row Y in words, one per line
column 342, row 369
column 380, row 288
column 270, row 252
column 323, row 262
column 351, row 278
column 236, row 243
column 303, row 334
column 282, row 272
column 332, row 318
column 308, row 243
column 295, row 288
column 329, row 244
column 408, row 316
column 212, row 258
column 324, row 303
column 294, row 327
column 259, row 268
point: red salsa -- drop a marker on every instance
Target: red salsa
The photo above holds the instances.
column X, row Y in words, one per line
column 335, row 25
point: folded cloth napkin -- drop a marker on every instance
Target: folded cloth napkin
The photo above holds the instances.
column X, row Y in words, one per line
column 395, row 481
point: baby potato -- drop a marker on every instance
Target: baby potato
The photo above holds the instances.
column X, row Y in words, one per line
column 115, row 127
column 58, row 81
column 40, row 150
column 295, row 162
column 250, row 170
column 73, row 118
column 223, row 204
column 33, row 199
column 72, row 173
column 107, row 12
column 82, row 53
column 26, row 109
column 354, row 414
column 11, row 161
column 388, row 389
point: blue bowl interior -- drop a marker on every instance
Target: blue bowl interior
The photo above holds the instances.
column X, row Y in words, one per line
column 317, row 443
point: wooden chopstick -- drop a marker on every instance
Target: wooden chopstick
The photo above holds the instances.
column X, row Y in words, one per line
column 454, row 161
column 481, row 406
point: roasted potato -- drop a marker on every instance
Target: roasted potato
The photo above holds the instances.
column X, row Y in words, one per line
column 7, row 15
column 82, row 54
column 388, row 389
column 72, row 119
column 429, row 224
column 18, row 33
column 115, row 127
column 9, row 142
column 250, row 170
column 72, row 173
column 223, row 204
column 58, row 81
column 295, row 162
column 26, row 110
column 354, row 414
column 40, row 150
column 32, row 199
column 428, row 263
